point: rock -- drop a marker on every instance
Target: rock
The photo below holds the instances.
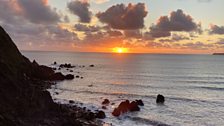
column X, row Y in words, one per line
column 77, row 76
column 81, row 77
column 116, row 112
column 160, row 99
column 91, row 65
column 57, row 76
column 55, row 63
column 126, row 106
column 100, row 115
column 54, row 68
column 104, row 107
column 90, row 85
column 23, row 95
column 71, row 102
column 66, row 65
column 133, row 106
column 140, row 102
column 71, row 71
column 90, row 116
column 69, row 77
column 106, row 101
column 112, row 103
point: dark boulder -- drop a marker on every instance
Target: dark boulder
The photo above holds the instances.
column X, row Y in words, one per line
column 91, row 65
column 55, row 63
column 66, row 65
column 57, row 76
column 160, row 99
column 133, row 106
column 140, row 102
column 69, row 77
column 104, row 107
column 116, row 112
column 126, row 106
column 90, row 116
column 71, row 102
column 100, row 115
column 106, row 101
column 77, row 76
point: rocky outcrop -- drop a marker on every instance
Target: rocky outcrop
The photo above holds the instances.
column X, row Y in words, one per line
column 106, row 102
column 23, row 98
column 126, row 106
column 160, row 99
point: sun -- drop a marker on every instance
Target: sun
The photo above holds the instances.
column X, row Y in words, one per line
column 120, row 50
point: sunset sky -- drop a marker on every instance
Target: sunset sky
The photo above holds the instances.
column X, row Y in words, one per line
column 138, row 26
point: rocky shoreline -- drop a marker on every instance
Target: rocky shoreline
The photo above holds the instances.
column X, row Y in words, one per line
column 24, row 100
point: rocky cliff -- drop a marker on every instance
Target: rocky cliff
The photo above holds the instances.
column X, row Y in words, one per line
column 23, row 100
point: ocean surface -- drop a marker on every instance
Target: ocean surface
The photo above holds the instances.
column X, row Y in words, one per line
column 193, row 86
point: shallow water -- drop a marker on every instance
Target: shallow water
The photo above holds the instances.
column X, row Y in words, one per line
column 192, row 84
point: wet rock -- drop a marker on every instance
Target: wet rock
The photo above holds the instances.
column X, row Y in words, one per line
column 160, row 99
column 90, row 85
column 140, row 102
column 100, row 115
column 106, row 101
column 90, row 116
column 69, row 77
column 133, row 106
column 71, row 101
column 57, row 76
column 126, row 106
column 66, row 65
column 104, row 107
column 116, row 112
column 91, row 65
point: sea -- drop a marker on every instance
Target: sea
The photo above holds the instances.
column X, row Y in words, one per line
column 193, row 86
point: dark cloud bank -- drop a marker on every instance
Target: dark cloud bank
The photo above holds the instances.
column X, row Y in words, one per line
column 124, row 17
column 81, row 9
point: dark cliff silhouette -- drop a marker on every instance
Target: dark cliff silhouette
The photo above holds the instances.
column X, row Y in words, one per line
column 24, row 100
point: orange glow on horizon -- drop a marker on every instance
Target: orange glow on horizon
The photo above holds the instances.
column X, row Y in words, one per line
column 120, row 50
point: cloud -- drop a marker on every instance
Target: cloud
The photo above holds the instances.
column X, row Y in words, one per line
column 177, row 21
column 114, row 33
column 86, row 28
column 197, row 45
column 176, row 37
column 124, row 17
column 37, row 11
column 18, row 20
column 133, row 34
column 100, row 1
column 81, row 9
column 214, row 29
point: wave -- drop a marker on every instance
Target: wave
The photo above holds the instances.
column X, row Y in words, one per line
column 147, row 121
column 132, row 95
column 212, row 88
